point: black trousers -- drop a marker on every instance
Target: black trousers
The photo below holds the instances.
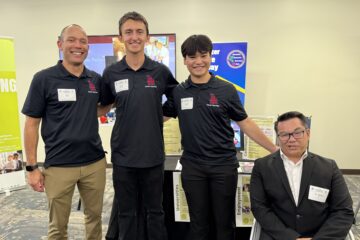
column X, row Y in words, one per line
column 137, row 212
column 210, row 193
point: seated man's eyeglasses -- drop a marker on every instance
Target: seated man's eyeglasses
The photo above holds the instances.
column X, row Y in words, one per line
column 298, row 134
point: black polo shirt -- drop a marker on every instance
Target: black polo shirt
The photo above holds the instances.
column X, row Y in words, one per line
column 67, row 105
column 137, row 136
column 204, row 112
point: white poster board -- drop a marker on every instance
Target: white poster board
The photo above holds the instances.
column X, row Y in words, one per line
column 254, row 151
column 12, row 175
column 244, row 217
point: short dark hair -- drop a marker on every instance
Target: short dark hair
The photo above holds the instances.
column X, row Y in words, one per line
column 196, row 43
column 289, row 115
column 135, row 16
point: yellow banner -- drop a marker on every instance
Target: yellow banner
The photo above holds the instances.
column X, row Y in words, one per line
column 11, row 162
column 10, row 140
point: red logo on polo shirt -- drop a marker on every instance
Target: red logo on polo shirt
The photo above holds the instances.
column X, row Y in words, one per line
column 213, row 101
column 150, row 82
column 92, row 88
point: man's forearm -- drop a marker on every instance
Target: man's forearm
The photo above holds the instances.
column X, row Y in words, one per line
column 102, row 110
column 249, row 127
column 31, row 139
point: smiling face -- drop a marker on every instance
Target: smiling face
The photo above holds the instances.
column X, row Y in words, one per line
column 134, row 35
column 198, row 66
column 74, row 45
column 196, row 51
column 293, row 138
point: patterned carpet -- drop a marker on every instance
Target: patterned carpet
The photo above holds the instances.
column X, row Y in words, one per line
column 24, row 216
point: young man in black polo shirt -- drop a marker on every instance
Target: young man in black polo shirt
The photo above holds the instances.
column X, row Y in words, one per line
column 135, row 86
column 65, row 97
column 205, row 105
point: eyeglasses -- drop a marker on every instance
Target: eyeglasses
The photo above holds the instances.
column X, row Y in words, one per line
column 286, row 136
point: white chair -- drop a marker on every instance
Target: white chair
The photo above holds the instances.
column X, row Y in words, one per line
column 256, row 230
column 356, row 211
column 350, row 236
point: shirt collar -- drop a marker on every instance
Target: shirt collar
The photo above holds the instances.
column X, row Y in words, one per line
column 148, row 64
column 210, row 84
column 65, row 73
column 286, row 159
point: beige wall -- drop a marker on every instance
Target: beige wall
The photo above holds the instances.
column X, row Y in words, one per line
column 302, row 55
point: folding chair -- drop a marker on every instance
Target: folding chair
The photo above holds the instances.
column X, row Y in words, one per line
column 351, row 236
column 356, row 211
column 255, row 230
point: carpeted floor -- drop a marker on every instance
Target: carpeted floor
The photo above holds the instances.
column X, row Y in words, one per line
column 24, row 216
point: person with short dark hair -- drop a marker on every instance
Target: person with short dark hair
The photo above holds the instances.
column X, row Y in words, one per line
column 135, row 86
column 204, row 106
column 65, row 98
column 18, row 161
column 296, row 194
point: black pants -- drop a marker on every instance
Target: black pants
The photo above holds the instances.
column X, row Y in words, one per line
column 137, row 206
column 210, row 192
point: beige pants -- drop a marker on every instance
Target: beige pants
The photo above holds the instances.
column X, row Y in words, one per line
column 59, row 187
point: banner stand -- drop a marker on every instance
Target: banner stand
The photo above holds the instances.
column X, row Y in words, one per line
column 12, row 174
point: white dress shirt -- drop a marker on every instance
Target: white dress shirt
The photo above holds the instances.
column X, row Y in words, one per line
column 294, row 173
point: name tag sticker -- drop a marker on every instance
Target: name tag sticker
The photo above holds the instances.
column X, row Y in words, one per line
column 187, row 103
column 318, row 194
column 121, row 85
column 66, row 95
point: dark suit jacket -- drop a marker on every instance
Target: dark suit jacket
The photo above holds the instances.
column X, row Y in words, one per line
column 274, row 207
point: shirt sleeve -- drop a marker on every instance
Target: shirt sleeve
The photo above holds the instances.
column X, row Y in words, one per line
column 341, row 215
column 35, row 102
column 106, row 95
column 236, row 110
column 171, row 83
column 169, row 109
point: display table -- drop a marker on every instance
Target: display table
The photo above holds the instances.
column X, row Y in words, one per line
column 179, row 230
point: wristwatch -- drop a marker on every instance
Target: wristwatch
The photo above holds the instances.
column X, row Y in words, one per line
column 31, row 168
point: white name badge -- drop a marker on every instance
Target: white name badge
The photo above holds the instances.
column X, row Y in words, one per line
column 66, row 95
column 187, row 103
column 318, row 194
column 121, row 85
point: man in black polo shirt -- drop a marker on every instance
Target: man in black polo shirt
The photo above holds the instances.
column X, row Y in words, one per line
column 135, row 85
column 65, row 97
column 205, row 105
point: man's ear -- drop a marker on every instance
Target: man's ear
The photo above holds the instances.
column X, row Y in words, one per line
column 59, row 44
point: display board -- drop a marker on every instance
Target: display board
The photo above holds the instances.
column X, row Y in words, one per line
column 253, row 150
column 228, row 63
column 244, row 216
column 12, row 175
column 105, row 50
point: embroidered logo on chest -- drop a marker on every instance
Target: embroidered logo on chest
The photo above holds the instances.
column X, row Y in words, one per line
column 92, row 88
column 213, row 101
column 150, row 82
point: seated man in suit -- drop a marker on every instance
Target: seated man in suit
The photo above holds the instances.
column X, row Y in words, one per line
column 296, row 194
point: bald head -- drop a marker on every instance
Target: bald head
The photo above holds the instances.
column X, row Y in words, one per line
column 73, row 42
column 65, row 29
